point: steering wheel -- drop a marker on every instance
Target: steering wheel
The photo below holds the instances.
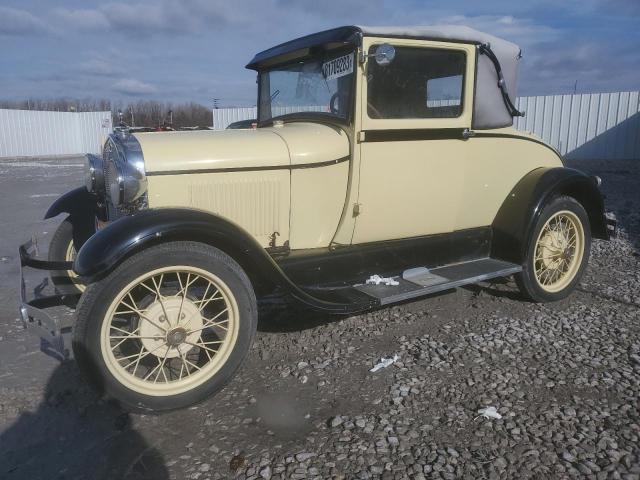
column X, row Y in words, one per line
column 334, row 103
column 334, row 107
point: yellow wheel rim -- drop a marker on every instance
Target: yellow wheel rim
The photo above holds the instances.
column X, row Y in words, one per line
column 169, row 330
column 558, row 252
column 70, row 256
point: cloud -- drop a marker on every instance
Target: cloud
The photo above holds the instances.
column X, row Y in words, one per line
column 523, row 31
column 99, row 67
column 20, row 22
column 196, row 49
column 131, row 86
column 143, row 18
column 162, row 16
column 605, row 7
column 82, row 19
column 555, row 68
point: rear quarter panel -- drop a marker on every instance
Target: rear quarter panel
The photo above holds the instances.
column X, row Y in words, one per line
column 496, row 161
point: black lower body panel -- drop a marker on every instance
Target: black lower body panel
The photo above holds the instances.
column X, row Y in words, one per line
column 345, row 266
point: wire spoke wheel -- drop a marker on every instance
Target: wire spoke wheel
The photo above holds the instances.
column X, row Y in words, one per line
column 559, row 251
column 169, row 330
column 70, row 256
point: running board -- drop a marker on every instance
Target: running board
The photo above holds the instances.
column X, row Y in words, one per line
column 419, row 282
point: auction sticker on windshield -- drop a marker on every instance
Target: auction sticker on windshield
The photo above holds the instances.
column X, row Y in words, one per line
column 338, row 67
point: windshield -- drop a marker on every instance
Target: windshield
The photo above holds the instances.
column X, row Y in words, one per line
column 320, row 84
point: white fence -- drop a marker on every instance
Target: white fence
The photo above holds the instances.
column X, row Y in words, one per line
column 26, row 133
column 223, row 117
column 591, row 125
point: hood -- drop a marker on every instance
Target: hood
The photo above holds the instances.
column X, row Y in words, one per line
column 293, row 144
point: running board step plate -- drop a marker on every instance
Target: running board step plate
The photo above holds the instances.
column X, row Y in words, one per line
column 419, row 282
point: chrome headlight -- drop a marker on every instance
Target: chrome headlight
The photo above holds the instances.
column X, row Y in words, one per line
column 127, row 183
column 124, row 170
column 94, row 174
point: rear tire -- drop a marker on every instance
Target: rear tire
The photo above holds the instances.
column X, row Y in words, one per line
column 61, row 249
column 167, row 328
column 558, row 252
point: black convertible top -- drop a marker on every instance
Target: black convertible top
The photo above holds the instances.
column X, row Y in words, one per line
column 348, row 35
column 340, row 35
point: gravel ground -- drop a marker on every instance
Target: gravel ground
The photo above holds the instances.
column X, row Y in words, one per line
column 564, row 377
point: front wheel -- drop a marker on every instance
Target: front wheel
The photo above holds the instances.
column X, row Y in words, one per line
column 61, row 249
column 558, row 252
column 167, row 328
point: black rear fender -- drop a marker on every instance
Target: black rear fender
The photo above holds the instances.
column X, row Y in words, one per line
column 520, row 211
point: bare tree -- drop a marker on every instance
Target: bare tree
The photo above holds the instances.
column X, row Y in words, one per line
column 144, row 113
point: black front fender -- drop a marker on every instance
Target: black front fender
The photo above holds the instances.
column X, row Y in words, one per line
column 82, row 207
column 121, row 239
column 520, row 211
column 75, row 202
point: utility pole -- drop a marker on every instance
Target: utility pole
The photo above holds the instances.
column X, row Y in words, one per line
column 216, row 103
column 575, row 87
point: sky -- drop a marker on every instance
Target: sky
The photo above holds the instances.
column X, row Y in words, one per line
column 196, row 50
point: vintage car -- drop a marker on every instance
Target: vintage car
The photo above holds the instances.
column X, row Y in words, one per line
column 384, row 168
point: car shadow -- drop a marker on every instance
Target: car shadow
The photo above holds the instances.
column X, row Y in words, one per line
column 280, row 313
column 74, row 434
column 620, row 192
column 501, row 287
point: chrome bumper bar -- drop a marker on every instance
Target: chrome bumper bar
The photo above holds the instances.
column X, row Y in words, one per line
column 34, row 318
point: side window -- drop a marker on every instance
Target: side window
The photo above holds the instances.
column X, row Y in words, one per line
column 419, row 83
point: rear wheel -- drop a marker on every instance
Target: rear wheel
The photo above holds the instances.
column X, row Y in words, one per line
column 168, row 328
column 558, row 252
column 61, row 249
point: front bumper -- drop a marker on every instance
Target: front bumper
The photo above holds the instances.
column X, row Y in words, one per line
column 34, row 318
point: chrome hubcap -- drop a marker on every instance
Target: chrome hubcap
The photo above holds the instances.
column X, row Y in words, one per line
column 176, row 337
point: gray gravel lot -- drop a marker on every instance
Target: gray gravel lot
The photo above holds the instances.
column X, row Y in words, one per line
column 564, row 377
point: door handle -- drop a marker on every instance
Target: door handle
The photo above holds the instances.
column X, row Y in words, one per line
column 467, row 134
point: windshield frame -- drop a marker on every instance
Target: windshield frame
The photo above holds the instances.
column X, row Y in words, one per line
column 322, row 117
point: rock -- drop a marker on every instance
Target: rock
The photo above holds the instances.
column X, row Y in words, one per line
column 303, row 457
column 393, row 441
column 266, row 473
column 335, row 421
column 500, row 463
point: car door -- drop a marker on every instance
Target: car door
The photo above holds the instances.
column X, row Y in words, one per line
column 412, row 151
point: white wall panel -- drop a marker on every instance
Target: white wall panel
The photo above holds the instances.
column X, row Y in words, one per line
column 27, row 133
column 597, row 125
